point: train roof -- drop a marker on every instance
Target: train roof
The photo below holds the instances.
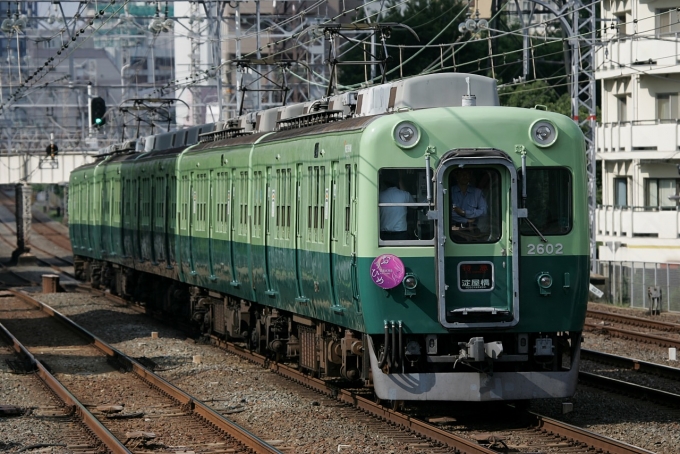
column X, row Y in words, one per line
column 338, row 113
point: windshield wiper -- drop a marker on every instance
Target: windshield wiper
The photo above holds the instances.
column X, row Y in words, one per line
column 535, row 229
column 524, row 193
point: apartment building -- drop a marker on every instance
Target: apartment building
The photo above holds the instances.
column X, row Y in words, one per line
column 638, row 137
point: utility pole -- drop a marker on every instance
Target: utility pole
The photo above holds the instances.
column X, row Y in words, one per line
column 577, row 18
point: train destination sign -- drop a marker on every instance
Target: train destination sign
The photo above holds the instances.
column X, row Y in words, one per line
column 475, row 276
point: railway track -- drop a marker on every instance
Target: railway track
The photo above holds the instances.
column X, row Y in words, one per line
column 126, row 405
column 663, row 334
column 50, row 241
column 428, row 430
column 38, row 406
column 545, row 433
column 540, row 432
column 629, row 378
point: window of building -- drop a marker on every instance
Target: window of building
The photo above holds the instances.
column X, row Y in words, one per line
column 620, row 192
column 403, row 207
column 667, row 21
column 622, row 108
column 621, row 25
column 667, row 106
column 657, row 191
column 549, row 201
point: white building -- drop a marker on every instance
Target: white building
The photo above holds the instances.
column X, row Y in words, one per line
column 638, row 139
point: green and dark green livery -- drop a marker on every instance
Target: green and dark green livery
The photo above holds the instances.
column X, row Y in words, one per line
column 268, row 230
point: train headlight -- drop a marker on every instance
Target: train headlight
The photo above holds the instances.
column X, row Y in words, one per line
column 410, row 282
column 544, row 281
column 406, row 134
column 543, row 133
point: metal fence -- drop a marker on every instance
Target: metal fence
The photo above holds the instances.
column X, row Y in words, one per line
column 628, row 283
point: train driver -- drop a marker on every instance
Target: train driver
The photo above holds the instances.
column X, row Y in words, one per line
column 467, row 202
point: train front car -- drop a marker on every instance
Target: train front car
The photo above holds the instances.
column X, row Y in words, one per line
column 481, row 293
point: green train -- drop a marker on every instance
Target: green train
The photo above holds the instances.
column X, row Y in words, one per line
column 413, row 235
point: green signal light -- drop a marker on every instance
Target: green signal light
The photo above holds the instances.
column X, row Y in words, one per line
column 98, row 121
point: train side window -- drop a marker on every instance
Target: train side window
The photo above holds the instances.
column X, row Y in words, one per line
column 403, row 206
column 549, row 201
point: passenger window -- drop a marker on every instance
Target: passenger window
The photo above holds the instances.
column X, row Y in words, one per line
column 475, row 205
column 403, row 207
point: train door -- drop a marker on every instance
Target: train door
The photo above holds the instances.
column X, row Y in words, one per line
column 198, row 225
column 184, row 245
column 97, row 224
column 476, row 248
column 269, row 211
column 299, row 174
column 126, row 221
column 211, row 225
column 87, row 216
column 116, row 199
column 168, row 215
column 136, row 216
column 155, row 214
column 335, row 249
column 230, row 225
column 105, row 219
column 192, row 223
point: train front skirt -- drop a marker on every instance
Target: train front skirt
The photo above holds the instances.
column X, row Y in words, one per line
column 474, row 386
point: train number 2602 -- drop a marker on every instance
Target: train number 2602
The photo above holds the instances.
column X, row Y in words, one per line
column 544, row 249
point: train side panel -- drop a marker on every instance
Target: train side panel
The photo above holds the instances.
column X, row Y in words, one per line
column 304, row 261
column 214, row 219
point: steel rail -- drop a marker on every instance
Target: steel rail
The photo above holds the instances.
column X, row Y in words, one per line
column 660, row 370
column 595, row 441
column 633, row 335
column 632, row 320
column 665, row 398
column 92, row 423
column 187, row 401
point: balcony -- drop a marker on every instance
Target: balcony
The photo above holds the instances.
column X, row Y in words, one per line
column 638, row 222
column 630, row 55
column 645, row 136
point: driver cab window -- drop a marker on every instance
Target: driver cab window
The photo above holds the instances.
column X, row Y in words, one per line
column 475, row 205
column 402, row 203
column 549, row 202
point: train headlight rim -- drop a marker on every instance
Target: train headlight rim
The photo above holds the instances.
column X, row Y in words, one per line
column 544, row 280
column 401, row 131
column 543, row 124
column 410, row 281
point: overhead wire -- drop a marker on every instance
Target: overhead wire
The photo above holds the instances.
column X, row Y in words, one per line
column 36, row 77
column 200, row 78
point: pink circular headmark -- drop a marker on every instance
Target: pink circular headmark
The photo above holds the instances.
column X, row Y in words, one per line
column 387, row 271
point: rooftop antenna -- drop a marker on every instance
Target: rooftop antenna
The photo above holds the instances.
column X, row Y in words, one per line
column 469, row 99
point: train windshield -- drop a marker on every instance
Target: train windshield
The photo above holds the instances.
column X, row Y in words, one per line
column 548, row 201
column 476, row 205
column 403, row 207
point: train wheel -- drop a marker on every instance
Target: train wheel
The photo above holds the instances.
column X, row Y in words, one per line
column 255, row 341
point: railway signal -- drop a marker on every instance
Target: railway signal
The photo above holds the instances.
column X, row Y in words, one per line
column 52, row 150
column 98, row 111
